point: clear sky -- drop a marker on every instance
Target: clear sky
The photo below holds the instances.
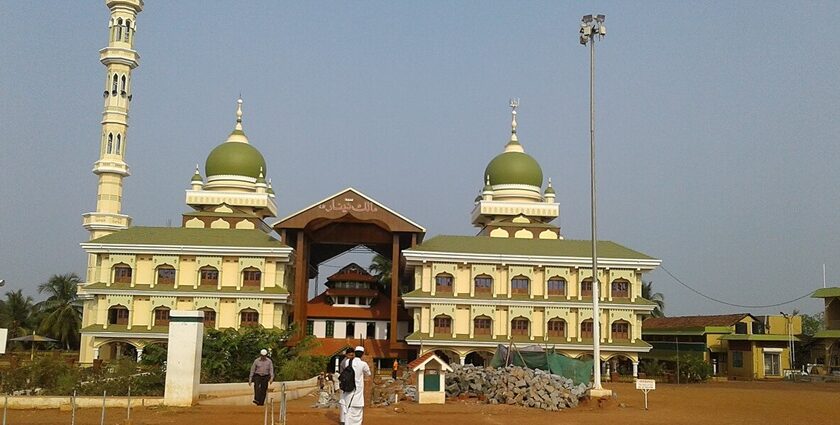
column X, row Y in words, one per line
column 717, row 123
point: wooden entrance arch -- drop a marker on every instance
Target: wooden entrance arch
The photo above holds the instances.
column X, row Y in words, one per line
column 337, row 224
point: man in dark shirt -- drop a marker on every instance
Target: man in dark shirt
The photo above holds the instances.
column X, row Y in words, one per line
column 262, row 375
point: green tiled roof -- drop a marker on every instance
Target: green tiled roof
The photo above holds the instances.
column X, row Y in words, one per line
column 181, row 289
column 538, row 247
column 833, row 333
column 757, row 337
column 418, row 293
column 142, row 329
column 187, row 236
column 417, row 336
column 826, row 293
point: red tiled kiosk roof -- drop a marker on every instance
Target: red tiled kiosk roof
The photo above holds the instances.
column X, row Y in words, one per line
column 418, row 361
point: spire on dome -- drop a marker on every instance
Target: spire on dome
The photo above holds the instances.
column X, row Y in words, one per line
column 513, row 145
column 238, row 135
column 239, row 113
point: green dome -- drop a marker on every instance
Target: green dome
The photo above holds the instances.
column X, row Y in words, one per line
column 514, row 168
column 235, row 158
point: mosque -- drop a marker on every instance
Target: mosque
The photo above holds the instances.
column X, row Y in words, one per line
column 516, row 281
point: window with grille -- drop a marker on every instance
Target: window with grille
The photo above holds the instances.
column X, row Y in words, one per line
column 483, row 284
column 350, row 330
column 556, row 327
column 122, row 274
column 482, row 325
column 519, row 285
column 330, row 328
column 443, row 325
column 371, row 330
column 208, row 276
column 519, row 327
column 209, row 318
column 165, row 276
column 620, row 330
column 161, row 316
column 586, row 329
column 620, row 289
column 251, row 277
column 118, row 316
column 310, row 327
column 586, row 288
column 443, row 283
column 249, row 318
column 557, row 286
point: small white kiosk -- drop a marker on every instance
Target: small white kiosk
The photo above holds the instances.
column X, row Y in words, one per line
column 430, row 372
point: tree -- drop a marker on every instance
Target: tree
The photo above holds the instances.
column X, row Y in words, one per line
column 655, row 297
column 380, row 267
column 812, row 324
column 62, row 312
column 17, row 313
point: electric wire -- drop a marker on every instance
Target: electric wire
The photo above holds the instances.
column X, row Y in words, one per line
column 728, row 303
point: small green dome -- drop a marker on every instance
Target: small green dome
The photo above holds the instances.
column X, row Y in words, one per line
column 514, row 168
column 235, row 158
column 549, row 190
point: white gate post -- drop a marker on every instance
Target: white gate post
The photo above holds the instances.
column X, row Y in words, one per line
column 183, row 358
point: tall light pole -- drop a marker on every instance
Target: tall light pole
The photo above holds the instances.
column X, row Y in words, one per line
column 592, row 27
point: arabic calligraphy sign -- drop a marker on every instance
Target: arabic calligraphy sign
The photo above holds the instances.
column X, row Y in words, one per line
column 346, row 205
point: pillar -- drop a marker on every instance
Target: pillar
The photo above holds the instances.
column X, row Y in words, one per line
column 395, row 286
column 96, row 353
column 463, row 360
column 635, row 369
column 139, row 354
column 183, row 359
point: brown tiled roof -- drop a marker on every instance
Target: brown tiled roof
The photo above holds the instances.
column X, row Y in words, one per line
column 352, row 292
column 376, row 348
column 420, row 360
column 380, row 310
column 682, row 322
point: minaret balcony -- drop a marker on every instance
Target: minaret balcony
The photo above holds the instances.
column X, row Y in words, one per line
column 105, row 221
column 119, row 55
column 112, row 166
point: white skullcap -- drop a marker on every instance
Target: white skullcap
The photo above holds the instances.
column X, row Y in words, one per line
column 359, row 348
column 263, row 352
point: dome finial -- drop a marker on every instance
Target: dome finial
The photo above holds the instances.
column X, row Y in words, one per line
column 239, row 113
column 513, row 145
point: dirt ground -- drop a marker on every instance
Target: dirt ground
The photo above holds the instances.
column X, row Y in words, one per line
column 720, row 403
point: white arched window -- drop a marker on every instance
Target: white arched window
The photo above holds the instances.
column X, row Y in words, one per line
column 110, row 147
column 119, row 143
column 119, row 30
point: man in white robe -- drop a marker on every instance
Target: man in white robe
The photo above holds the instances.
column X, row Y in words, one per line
column 354, row 401
column 342, row 408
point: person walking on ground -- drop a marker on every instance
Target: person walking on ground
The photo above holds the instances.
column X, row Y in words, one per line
column 342, row 408
column 354, row 399
column 394, row 370
column 262, row 375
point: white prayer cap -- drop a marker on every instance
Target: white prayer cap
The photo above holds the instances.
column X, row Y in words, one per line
column 263, row 352
column 360, row 348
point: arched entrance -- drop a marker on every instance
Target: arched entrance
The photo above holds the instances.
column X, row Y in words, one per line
column 448, row 356
column 478, row 358
column 332, row 227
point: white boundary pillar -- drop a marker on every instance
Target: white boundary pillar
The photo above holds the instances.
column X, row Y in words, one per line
column 183, row 359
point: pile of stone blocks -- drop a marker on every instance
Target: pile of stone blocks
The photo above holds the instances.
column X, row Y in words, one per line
column 514, row 385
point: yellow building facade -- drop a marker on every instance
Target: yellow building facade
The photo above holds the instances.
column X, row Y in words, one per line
column 519, row 281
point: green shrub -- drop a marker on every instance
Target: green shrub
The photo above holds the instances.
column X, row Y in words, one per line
column 694, row 369
column 301, row 367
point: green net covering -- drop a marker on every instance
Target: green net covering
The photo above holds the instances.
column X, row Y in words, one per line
column 535, row 357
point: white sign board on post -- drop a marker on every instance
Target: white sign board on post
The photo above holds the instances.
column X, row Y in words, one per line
column 4, row 335
column 646, row 385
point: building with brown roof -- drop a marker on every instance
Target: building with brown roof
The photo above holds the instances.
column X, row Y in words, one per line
column 739, row 346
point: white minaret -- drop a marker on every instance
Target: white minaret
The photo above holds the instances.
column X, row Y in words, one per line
column 119, row 59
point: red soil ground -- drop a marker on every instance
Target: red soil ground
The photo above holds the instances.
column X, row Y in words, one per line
column 718, row 403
